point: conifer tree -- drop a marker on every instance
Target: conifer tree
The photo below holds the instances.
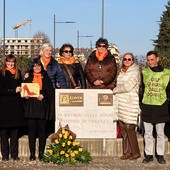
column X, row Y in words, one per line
column 162, row 44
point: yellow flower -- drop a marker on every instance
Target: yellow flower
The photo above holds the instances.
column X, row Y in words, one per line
column 68, row 143
column 65, row 136
column 66, row 155
column 62, row 152
column 70, row 137
column 66, row 132
column 63, row 144
column 72, row 154
column 60, row 135
column 50, row 152
column 80, row 149
column 63, row 131
column 74, row 143
column 76, row 152
column 56, row 141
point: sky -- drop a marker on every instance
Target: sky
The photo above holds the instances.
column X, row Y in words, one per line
column 130, row 24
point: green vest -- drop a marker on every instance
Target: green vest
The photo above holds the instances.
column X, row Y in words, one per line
column 155, row 86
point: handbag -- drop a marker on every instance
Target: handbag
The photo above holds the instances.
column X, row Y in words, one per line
column 70, row 75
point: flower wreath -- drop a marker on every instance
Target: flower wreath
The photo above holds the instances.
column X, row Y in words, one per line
column 64, row 148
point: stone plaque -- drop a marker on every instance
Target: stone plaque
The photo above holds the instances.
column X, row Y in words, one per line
column 89, row 113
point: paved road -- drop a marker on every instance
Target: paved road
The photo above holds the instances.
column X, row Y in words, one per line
column 98, row 163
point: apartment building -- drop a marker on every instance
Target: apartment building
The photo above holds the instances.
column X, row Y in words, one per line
column 23, row 47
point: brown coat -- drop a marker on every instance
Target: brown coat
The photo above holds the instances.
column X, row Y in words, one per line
column 105, row 70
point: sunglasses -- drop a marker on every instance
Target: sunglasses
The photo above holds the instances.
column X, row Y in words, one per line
column 127, row 59
column 104, row 46
column 66, row 51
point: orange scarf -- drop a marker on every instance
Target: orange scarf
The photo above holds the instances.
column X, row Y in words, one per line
column 12, row 70
column 70, row 60
column 45, row 61
column 101, row 56
column 38, row 79
column 124, row 69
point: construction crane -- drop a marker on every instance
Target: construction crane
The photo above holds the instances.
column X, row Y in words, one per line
column 21, row 24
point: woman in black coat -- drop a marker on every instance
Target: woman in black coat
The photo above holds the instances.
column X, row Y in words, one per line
column 68, row 60
column 12, row 113
column 37, row 109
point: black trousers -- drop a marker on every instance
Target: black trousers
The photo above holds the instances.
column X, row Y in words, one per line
column 36, row 128
column 9, row 146
column 129, row 138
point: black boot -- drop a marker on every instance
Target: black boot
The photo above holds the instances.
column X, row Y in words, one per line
column 148, row 158
column 40, row 156
column 160, row 159
column 32, row 157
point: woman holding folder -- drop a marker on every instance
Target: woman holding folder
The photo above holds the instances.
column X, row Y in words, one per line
column 37, row 108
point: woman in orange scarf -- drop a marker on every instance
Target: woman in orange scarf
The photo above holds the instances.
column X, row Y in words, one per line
column 127, row 105
column 73, row 66
column 100, row 69
column 12, row 112
column 37, row 108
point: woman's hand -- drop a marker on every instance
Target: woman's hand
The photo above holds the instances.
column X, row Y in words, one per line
column 40, row 97
column 98, row 82
column 26, row 75
column 77, row 87
column 18, row 89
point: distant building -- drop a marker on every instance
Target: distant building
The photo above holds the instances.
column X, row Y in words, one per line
column 114, row 50
column 23, row 47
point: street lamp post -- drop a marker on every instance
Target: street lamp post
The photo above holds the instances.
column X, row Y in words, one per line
column 78, row 41
column 102, row 18
column 66, row 22
column 4, row 29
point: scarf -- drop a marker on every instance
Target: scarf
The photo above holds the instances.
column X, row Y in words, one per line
column 101, row 56
column 12, row 70
column 70, row 60
column 124, row 69
column 38, row 79
column 45, row 61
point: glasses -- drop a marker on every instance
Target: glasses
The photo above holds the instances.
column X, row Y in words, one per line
column 104, row 46
column 66, row 51
column 127, row 59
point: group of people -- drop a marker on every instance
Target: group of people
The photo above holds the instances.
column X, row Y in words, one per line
column 150, row 104
column 100, row 72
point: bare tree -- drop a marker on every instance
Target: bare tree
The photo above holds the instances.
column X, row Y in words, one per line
column 39, row 38
column 43, row 36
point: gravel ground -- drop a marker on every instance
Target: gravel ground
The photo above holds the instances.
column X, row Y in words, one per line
column 98, row 163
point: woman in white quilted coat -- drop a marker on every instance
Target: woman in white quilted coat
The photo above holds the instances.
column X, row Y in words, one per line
column 127, row 97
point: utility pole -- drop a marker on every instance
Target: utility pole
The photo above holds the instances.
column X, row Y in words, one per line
column 78, row 41
column 102, row 18
column 4, row 29
column 66, row 22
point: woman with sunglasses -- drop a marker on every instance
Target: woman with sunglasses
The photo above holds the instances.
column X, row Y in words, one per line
column 12, row 111
column 69, row 63
column 127, row 96
column 101, row 69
